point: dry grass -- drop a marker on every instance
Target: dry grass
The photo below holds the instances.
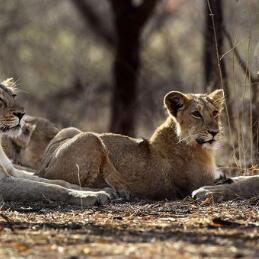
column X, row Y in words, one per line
column 164, row 229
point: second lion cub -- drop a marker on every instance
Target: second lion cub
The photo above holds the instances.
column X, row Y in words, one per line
column 176, row 160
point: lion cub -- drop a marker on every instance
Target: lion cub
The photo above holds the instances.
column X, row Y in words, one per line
column 27, row 148
column 176, row 160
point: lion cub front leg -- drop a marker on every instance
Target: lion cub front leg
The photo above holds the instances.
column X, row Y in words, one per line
column 243, row 187
column 25, row 190
column 113, row 178
column 30, row 176
column 6, row 165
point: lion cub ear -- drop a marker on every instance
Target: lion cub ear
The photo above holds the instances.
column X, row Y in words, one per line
column 9, row 83
column 218, row 97
column 175, row 101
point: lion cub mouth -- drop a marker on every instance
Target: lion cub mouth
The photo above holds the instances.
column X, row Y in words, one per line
column 202, row 141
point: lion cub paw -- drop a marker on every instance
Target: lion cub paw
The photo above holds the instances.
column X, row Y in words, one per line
column 218, row 193
column 90, row 198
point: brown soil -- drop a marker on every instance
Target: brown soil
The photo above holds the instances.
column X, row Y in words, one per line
column 179, row 229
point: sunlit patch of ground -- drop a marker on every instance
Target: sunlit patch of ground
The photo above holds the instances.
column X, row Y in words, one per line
column 165, row 229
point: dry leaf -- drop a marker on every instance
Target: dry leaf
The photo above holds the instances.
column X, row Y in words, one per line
column 21, row 247
column 208, row 201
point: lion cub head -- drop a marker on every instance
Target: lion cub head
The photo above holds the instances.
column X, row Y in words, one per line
column 27, row 148
column 11, row 113
column 197, row 116
column 38, row 133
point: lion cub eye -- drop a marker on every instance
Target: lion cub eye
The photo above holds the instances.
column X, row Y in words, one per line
column 196, row 114
column 215, row 113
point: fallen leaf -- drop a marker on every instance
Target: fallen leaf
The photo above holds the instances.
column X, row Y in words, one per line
column 208, row 201
column 21, row 247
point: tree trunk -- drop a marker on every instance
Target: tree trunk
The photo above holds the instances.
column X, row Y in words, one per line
column 129, row 21
column 213, row 44
column 255, row 119
column 125, row 71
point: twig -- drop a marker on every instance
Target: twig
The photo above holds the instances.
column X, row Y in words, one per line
column 227, row 105
column 241, row 62
column 91, row 18
column 10, row 224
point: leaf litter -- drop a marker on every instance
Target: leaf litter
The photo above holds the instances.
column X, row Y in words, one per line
column 145, row 229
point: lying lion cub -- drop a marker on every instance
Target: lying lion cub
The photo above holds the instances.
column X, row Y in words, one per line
column 175, row 161
column 27, row 148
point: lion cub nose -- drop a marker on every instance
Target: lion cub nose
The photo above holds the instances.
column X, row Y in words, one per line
column 213, row 132
column 19, row 114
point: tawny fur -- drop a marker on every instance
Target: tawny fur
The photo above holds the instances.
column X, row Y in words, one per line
column 21, row 185
column 242, row 187
column 177, row 159
column 171, row 164
column 27, row 148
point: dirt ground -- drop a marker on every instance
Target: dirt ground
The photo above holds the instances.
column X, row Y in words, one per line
column 167, row 229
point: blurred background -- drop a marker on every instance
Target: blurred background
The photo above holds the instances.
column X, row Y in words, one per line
column 105, row 65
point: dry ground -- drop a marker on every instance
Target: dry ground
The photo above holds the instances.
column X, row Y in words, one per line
column 179, row 229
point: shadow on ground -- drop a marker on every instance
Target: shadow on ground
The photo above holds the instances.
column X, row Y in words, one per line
column 137, row 229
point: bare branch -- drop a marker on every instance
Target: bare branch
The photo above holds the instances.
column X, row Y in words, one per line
column 145, row 10
column 241, row 62
column 92, row 18
column 139, row 14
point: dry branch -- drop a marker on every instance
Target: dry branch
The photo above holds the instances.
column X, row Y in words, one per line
column 241, row 62
column 91, row 18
